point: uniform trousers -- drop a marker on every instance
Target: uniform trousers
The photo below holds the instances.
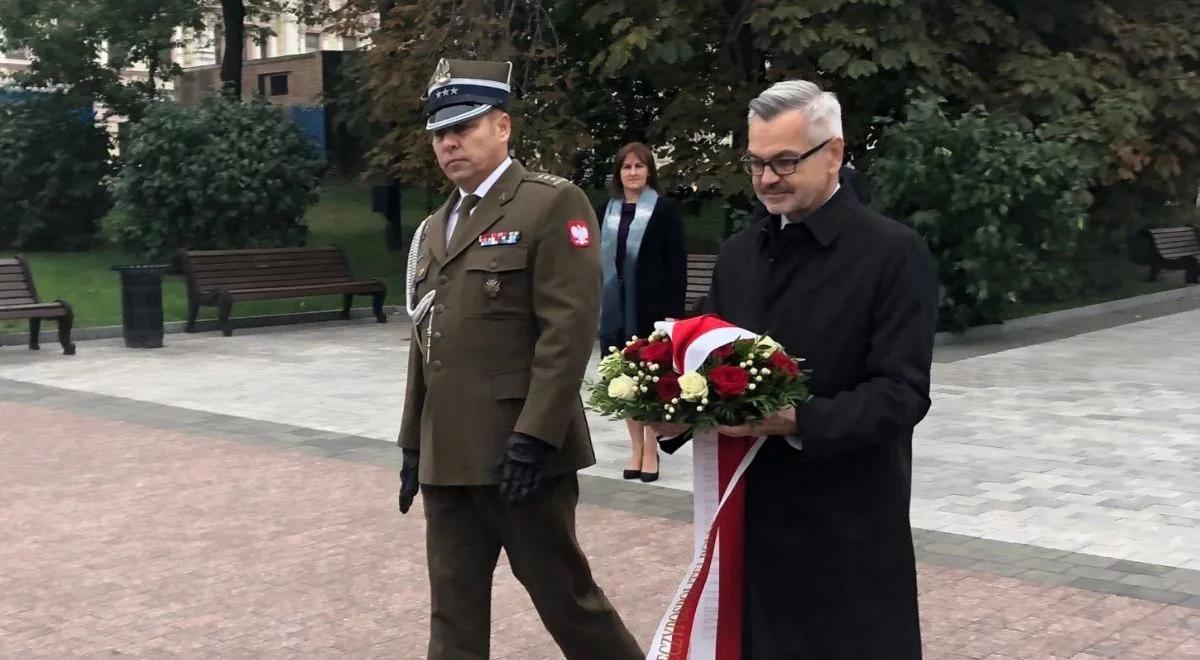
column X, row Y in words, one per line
column 467, row 526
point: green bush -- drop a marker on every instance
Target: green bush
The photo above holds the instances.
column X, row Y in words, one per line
column 226, row 174
column 53, row 162
column 1002, row 210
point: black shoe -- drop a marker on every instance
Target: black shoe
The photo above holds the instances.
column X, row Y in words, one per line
column 647, row 477
column 632, row 474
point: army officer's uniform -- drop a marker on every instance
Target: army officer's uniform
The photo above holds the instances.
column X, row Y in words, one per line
column 501, row 352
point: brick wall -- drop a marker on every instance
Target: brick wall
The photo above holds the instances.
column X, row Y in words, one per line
column 304, row 80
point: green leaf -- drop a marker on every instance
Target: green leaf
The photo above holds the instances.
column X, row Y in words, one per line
column 833, row 60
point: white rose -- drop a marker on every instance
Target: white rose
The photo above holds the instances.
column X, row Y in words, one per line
column 765, row 346
column 693, row 386
column 623, row 387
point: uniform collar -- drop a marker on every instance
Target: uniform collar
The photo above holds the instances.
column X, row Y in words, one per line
column 490, row 181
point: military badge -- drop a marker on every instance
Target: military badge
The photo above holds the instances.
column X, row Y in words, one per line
column 491, row 287
column 441, row 75
column 579, row 233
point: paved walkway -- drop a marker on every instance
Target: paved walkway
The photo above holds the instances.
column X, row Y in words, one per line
column 124, row 540
column 1055, row 444
column 235, row 498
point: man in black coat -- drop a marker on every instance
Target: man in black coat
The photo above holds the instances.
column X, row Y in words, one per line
column 829, row 565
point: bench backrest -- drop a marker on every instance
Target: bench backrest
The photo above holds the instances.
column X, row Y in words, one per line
column 1175, row 242
column 211, row 270
column 699, row 277
column 16, row 284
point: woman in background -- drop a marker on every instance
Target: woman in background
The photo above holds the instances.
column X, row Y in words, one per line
column 645, row 273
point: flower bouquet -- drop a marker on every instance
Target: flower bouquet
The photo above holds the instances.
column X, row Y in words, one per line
column 705, row 373
column 702, row 372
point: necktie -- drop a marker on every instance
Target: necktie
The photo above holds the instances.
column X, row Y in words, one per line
column 464, row 212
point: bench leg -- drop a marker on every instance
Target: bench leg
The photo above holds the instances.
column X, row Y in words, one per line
column 377, row 307
column 1192, row 275
column 193, row 312
column 1153, row 273
column 224, row 307
column 64, row 331
column 35, row 329
column 347, row 300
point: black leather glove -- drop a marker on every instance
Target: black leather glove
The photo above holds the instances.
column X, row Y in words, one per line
column 522, row 471
column 408, row 479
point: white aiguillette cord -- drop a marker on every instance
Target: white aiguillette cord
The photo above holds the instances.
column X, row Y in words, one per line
column 418, row 312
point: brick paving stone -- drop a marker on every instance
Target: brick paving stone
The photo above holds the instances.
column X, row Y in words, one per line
column 122, row 540
column 1029, row 446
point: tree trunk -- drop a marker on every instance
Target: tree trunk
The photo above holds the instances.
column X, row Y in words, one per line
column 233, row 17
column 151, row 74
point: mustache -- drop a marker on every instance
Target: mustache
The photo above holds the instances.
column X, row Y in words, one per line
column 776, row 188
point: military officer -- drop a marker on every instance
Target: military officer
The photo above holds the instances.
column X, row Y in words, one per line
column 504, row 286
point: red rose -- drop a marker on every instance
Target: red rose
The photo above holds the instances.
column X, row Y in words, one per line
column 657, row 352
column 729, row 381
column 724, row 353
column 631, row 351
column 781, row 363
column 668, row 387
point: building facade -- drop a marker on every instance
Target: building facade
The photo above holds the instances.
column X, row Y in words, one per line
column 282, row 35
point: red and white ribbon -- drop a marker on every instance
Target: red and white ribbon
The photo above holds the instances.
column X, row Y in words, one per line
column 704, row 620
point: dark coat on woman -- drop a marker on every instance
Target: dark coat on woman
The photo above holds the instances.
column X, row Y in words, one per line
column 661, row 269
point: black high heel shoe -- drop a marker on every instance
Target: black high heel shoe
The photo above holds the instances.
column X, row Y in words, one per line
column 631, row 474
column 648, row 477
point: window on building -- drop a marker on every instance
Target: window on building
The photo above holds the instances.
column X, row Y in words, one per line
column 312, row 42
column 273, row 84
column 263, row 52
column 279, row 84
column 349, row 43
column 14, row 53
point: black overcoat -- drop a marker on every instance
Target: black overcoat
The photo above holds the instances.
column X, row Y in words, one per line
column 829, row 562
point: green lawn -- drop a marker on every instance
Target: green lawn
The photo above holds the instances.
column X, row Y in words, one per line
column 343, row 217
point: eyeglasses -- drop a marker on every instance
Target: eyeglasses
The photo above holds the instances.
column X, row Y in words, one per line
column 781, row 165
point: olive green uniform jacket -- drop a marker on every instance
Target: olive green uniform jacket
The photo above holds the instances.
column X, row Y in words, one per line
column 506, row 343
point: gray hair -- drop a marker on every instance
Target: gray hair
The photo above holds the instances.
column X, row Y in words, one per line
column 821, row 109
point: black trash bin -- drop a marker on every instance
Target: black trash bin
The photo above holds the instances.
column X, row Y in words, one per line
column 141, row 305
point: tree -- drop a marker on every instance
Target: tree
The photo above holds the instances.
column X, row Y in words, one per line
column 1119, row 75
column 547, row 85
column 53, row 162
column 225, row 174
column 233, row 20
column 1002, row 208
column 87, row 46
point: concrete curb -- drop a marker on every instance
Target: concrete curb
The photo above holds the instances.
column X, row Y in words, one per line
column 49, row 334
column 1051, row 319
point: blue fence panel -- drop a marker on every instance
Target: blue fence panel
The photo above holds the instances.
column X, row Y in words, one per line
column 13, row 94
column 311, row 120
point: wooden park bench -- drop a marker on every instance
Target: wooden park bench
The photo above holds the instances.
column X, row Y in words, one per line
column 1175, row 248
column 19, row 301
column 221, row 277
column 699, row 280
